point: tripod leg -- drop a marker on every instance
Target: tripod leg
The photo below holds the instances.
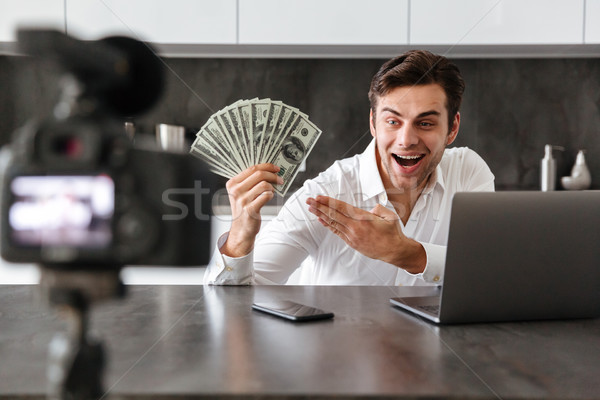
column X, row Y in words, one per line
column 76, row 363
column 75, row 367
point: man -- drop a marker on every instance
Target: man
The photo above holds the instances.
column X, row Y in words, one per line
column 378, row 218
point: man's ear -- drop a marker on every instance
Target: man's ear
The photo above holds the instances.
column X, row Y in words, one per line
column 454, row 130
column 371, row 123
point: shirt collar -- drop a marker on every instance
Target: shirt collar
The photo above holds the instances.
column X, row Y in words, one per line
column 436, row 179
column 436, row 182
column 371, row 180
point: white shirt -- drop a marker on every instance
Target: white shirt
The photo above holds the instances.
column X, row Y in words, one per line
column 295, row 234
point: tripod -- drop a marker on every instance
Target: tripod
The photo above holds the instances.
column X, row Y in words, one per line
column 76, row 362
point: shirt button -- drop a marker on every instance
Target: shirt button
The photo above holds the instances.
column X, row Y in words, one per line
column 228, row 269
column 436, row 278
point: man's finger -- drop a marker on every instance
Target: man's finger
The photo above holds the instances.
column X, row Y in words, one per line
column 245, row 174
column 251, row 177
column 325, row 212
column 348, row 210
column 337, row 229
column 384, row 213
column 338, row 205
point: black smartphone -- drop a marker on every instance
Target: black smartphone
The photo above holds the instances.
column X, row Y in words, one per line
column 291, row 310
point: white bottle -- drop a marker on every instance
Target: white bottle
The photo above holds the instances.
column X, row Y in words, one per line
column 580, row 178
column 548, row 169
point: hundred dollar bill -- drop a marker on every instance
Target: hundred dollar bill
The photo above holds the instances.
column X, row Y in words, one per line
column 213, row 167
column 223, row 141
column 232, row 138
column 250, row 132
column 212, row 157
column 270, row 123
column 293, row 150
column 212, row 146
column 245, row 112
column 241, row 135
column 286, row 118
column 260, row 110
column 210, row 135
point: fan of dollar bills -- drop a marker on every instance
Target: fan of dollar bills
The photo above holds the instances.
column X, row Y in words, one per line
column 250, row 132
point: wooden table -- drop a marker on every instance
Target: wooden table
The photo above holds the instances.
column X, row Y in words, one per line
column 198, row 342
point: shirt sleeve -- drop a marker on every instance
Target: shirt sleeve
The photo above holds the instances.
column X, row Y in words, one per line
column 224, row 270
column 436, row 260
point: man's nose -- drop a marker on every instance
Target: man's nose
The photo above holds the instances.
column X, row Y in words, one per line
column 407, row 136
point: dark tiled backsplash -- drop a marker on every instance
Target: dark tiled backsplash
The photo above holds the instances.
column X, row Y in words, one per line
column 511, row 108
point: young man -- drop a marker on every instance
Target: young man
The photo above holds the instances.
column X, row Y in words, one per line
column 378, row 218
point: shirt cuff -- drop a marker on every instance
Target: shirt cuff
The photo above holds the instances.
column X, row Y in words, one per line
column 225, row 270
column 436, row 260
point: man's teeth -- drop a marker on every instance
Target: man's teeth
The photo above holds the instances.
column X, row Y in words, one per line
column 408, row 161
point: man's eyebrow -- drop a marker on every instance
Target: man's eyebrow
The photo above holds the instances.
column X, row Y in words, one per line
column 422, row 115
column 428, row 113
column 391, row 110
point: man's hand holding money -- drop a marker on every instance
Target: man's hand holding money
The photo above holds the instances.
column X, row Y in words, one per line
column 248, row 192
column 259, row 145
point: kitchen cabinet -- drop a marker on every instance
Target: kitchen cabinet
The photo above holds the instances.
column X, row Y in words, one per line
column 29, row 13
column 324, row 28
column 468, row 22
column 323, row 22
column 592, row 21
column 159, row 21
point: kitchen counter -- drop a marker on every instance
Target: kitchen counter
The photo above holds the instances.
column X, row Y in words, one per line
column 198, row 342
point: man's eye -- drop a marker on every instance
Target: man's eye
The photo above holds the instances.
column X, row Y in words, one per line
column 425, row 124
column 392, row 122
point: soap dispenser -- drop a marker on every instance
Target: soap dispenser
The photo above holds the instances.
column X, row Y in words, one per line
column 548, row 168
column 580, row 178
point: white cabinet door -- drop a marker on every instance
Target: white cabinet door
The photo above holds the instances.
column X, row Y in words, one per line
column 30, row 14
column 339, row 22
column 592, row 21
column 464, row 22
column 158, row 21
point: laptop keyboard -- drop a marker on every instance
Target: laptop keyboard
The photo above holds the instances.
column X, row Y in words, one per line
column 430, row 309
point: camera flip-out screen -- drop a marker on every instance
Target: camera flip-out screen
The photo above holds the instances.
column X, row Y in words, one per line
column 62, row 211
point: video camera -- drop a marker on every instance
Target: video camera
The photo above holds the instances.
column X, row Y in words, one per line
column 81, row 199
column 76, row 192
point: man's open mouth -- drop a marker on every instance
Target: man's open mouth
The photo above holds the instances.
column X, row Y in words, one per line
column 408, row 161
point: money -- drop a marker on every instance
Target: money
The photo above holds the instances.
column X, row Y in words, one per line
column 256, row 131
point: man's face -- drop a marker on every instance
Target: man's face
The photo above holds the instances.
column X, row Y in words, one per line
column 411, row 132
column 295, row 153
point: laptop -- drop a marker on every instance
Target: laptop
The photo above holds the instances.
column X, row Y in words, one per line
column 516, row 256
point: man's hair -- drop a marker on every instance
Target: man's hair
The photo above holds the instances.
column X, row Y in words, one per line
column 419, row 67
